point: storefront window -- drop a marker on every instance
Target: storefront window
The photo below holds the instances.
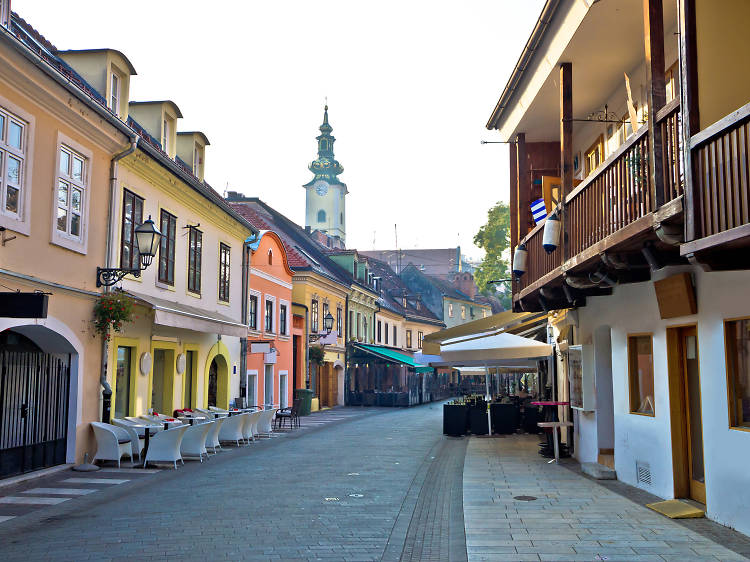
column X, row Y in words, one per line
column 122, row 383
column 641, row 371
column 737, row 334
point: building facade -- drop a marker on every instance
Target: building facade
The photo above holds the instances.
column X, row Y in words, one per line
column 645, row 237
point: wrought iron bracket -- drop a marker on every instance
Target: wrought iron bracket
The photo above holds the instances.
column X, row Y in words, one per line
column 108, row 276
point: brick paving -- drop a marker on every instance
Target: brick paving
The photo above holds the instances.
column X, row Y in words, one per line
column 333, row 491
column 573, row 517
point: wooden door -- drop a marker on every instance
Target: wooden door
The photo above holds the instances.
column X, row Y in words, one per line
column 686, row 415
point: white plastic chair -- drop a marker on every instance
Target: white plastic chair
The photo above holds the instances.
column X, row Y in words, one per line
column 252, row 423
column 265, row 423
column 132, row 429
column 165, row 446
column 111, row 442
column 194, row 441
column 212, row 440
column 210, row 414
column 231, row 429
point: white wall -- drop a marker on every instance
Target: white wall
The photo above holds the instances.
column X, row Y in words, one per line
column 633, row 309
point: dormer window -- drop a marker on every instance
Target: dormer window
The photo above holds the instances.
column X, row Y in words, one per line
column 114, row 94
column 197, row 159
column 166, row 135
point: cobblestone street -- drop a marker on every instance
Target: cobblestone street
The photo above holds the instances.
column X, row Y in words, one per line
column 379, row 484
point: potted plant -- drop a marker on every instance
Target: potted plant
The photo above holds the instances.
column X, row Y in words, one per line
column 111, row 310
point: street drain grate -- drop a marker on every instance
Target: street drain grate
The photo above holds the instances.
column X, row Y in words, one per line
column 356, row 495
column 524, row 498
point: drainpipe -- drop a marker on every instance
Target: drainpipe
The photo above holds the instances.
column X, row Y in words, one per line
column 245, row 286
column 346, row 349
column 107, row 389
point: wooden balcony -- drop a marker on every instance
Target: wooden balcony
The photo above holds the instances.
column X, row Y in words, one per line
column 719, row 221
column 607, row 220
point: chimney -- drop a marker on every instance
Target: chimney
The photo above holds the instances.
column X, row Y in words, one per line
column 465, row 283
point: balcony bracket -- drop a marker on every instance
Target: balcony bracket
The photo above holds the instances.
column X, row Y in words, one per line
column 670, row 234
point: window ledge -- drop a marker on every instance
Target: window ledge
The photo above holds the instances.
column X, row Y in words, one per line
column 222, row 303
column 192, row 294
column 739, row 428
column 78, row 246
column 164, row 286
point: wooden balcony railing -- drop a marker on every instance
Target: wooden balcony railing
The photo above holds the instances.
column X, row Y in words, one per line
column 614, row 196
column 618, row 194
column 721, row 180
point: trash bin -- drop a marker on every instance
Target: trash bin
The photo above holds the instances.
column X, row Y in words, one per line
column 306, row 396
column 454, row 419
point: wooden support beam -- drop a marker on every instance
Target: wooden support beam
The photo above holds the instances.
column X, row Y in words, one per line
column 525, row 220
column 653, row 27
column 566, row 146
column 689, row 111
column 514, row 210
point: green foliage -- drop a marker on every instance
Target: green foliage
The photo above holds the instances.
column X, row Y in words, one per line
column 494, row 239
column 112, row 310
column 317, row 354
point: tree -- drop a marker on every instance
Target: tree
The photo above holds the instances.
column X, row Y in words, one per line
column 494, row 239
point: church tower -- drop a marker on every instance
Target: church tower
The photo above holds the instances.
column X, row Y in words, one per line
column 325, row 207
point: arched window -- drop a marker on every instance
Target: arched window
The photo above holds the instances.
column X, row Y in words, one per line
column 321, row 216
column 270, row 257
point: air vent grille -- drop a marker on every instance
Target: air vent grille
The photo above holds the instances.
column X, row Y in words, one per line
column 643, row 473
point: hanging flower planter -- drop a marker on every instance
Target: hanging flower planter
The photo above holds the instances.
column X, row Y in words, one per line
column 317, row 355
column 111, row 311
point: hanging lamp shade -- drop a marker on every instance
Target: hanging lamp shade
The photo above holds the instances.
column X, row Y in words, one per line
column 147, row 238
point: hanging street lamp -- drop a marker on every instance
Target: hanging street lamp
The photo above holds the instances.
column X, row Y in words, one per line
column 147, row 238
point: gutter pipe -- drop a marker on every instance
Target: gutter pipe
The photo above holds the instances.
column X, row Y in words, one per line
column 107, row 389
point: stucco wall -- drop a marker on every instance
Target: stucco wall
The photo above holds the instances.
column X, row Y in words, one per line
column 633, row 309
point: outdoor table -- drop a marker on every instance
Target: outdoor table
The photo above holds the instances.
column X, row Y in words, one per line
column 555, row 425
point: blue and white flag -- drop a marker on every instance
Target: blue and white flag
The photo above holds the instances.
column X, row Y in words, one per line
column 538, row 210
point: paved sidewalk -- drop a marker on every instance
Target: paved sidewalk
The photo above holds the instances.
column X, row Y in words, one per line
column 573, row 518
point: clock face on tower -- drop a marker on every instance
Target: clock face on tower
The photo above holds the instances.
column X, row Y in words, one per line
column 321, row 187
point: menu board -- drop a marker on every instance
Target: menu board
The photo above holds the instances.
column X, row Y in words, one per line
column 575, row 376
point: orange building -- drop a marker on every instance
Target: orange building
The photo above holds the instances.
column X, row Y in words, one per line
column 268, row 378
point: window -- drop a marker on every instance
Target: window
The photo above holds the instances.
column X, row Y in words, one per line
column 339, row 314
column 114, row 95
column 252, row 312
column 132, row 216
column 364, row 329
column 190, row 386
column 463, row 312
column 395, row 339
column 450, row 310
column 321, row 216
column 671, row 80
column 594, row 155
column 356, row 268
column 122, row 382
column 166, row 135
column 270, row 257
column 282, row 320
column 168, row 228
column 380, row 332
column 408, row 339
column 269, row 316
column 420, row 338
column 351, row 323
column 268, row 386
column 641, row 374
column 359, row 325
column 626, row 129
column 737, row 339
column 326, row 312
column 195, row 251
column 12, row 157
column 224, row 255
column 197, row 159
column 386, row 333
column 314, row 317
column 71, row 190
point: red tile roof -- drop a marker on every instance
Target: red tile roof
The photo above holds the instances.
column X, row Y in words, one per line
column 256, row 219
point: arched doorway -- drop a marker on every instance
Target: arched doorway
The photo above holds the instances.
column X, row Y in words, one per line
column 35, row 376
column 213, row 382
column 217, row 376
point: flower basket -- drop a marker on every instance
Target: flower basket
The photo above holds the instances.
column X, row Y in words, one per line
column 111, row 310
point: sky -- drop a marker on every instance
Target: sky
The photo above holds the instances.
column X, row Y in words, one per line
column 410, row 86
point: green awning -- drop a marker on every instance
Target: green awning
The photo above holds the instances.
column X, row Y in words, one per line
column 393, row 355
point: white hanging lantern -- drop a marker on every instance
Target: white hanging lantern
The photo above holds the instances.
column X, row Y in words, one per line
column 520, row 257
column 551, row 235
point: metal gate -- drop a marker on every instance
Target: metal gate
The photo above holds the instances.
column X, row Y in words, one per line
column 34, row 415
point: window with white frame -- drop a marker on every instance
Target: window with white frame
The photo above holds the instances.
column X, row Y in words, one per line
column 71, row 191
column 252, row 310
column 269, row 315
column 284, row 318
column 450, row 310
column 114, row 94
column 13, row 149
column 420, row 339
